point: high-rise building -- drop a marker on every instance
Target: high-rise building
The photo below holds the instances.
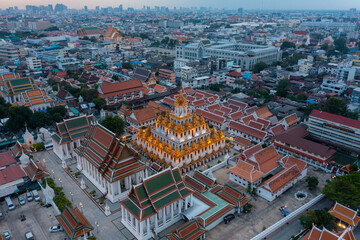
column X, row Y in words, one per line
column 97, row 8
column 240, row 11
column 352, row 11
column 86, row 8
column 120, row 7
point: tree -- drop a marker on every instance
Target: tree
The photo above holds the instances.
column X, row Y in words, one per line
column 114, row 124
column 281, row 89
column 354, row 167
column 286, row 45
column 336, row 106
column 100, row 103
column 127, row 65
column 40, row 119
column 4, row 108
column 319, row 218
column 340, row 45
column 115, row 77
column 301, row 97
column 215, row 87
column 18, row 116
column 312, row 182
column 344, row 190
column 258, row 67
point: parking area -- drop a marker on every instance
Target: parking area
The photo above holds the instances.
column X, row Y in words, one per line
column 264, row 213
column 37, row 219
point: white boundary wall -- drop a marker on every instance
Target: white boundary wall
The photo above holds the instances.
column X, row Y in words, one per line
column 290, row 217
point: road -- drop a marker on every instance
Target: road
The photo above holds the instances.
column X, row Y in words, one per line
column 294, row 226
column 109, row 227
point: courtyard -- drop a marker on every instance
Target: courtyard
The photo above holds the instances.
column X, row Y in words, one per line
column 263, row 213
column 38, row 220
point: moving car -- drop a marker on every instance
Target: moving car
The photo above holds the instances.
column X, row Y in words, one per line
column 21, row 200
column 228, row 218
column 29, row 196
column 6, row 234
column 29, row 236
column 55, row 228
column 284, row 211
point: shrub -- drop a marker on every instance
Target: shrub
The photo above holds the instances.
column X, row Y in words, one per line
column 101, row 200
column 219, row 161
column 93, row 192
column 209, row 166
column 77, row 174
column 37, row 146
column 227, row 140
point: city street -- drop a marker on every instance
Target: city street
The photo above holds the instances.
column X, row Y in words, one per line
column 109, row 227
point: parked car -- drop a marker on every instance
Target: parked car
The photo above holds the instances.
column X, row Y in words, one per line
column 9, row 203
column 29, row 197
column 228, row 218
column 6, row 234
column 284, row 211
column 29, row 236
column 55, row 228
column 36, row 195
column 21, row 200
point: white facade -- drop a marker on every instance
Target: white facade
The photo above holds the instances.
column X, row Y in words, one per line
column 264, row 192
column 196, row 82
column 33, row 63
column 115, row 190
column 65, row 64
column 333, row 85
column 66, row 150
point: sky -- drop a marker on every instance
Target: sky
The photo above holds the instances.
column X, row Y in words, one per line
column 229, row 4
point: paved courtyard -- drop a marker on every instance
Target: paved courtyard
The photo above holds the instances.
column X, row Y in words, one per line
column 38, row 220
column 263, row 213
column 109, row 227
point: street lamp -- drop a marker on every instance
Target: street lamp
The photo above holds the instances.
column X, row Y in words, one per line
column 71, row 194
column 44, row 162
column 81, row 206
column 60, row 182
column 97, row 226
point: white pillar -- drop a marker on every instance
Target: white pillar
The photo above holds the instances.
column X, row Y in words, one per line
column 141, row 229
column 180, row 206
column 156, row 221
column 164, row 215
column 137, row 226
column 186, row 203
column 148, row 225
column 172, row 211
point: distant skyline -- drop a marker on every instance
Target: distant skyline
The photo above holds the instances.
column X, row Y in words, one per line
column 229, row 4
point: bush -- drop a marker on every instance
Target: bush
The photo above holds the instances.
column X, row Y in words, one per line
column 37, row 146
column 312, row 182
column 101, row 200
column 227, row 140
column 77, row 174
column 219, row 161
column 209, row 166
column 93, row 192
column 247, row 208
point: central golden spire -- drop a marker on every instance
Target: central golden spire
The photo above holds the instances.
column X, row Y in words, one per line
column 181, row 100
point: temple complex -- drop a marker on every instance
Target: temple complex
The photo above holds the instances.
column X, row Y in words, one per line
column 181, row 138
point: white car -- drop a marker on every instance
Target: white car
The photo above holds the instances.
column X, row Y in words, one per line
column 55, row 228
column 29, row 236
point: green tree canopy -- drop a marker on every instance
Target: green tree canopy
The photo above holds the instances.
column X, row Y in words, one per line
column 258, row 67
column 282, row 86
column 286, row 45
column 100, row 103
column 114, row 124
column 344, row 189
column 336, row 106
column 18, row 116
column 127, row 65
column 319, row 218
column 312, row 182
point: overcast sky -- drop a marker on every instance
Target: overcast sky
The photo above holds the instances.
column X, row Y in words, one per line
column 230, row 4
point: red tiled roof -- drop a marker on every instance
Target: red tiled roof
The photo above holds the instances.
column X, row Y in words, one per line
column 263, row 112
column 266, row 123
column 278, row 129
column 335, row 118
column 119, row 88
column 247, row 130
column 345, row 214
column 236, row 116
column 6, row 158
column 210, row 116
column 234, row 74
column 256, row 125
column 11, row 173
column 247, row 119
column 291, row 119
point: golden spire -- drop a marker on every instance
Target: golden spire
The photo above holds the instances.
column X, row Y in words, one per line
column 208, row 141
column 186, row 149
column 214, row 136
column 187, row 125
column 207, row 127
column 193, row 145
column 201, row 119
column 140, row 132
column 195, row 116
column 201, row 143
column 150, row 138
column 179, row 128
column 177, row 152
column 181, row 100
column 157, row 141
column 160, row 118
column 221, row 134
column 163, row 144
column 169, row 148
column 194, row 121
column 147, row 132
column 172, row 124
